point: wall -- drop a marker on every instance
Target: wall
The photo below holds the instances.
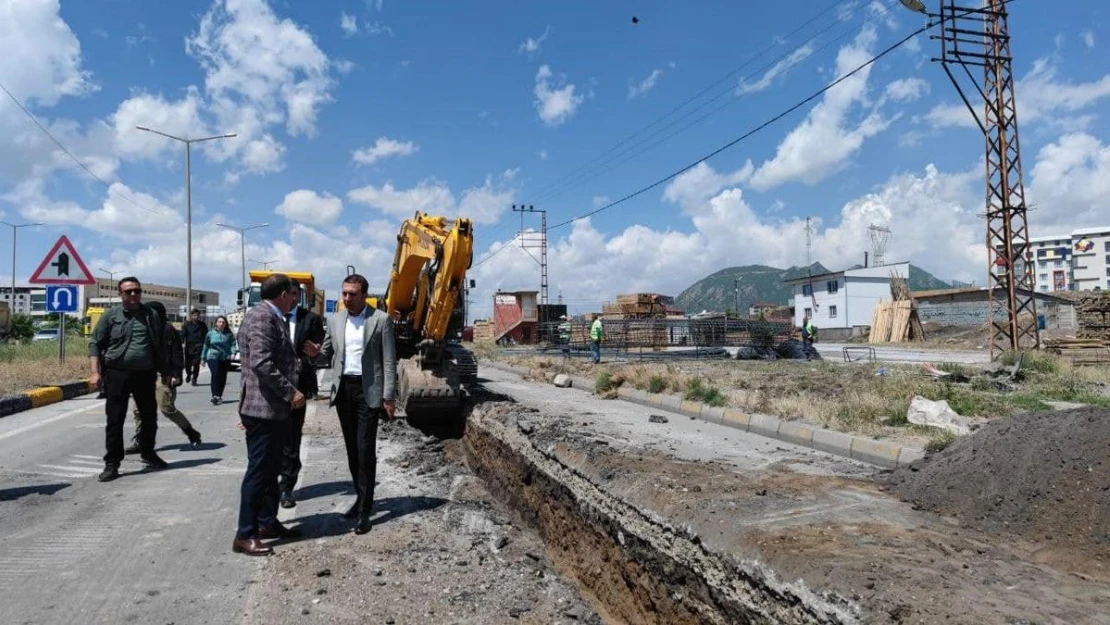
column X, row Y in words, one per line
column 1090, row 267
column 825, row 301
column 1058, row 316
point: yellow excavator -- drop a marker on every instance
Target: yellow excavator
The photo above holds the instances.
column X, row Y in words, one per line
column 424, row 301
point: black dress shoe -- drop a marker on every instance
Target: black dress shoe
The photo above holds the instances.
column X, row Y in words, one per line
column 152, row 460
column 133, row 449
column 279, row 531
column 287, row 500
column 352, row 512
column 194, row 438
column 363, row 526
column 110, row 472
column 251, row 547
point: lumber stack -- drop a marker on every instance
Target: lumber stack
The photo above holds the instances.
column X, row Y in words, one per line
column 483, row 330
column 1080, row 351
column 1092, row 311
column 636, row 306
column 896, row 321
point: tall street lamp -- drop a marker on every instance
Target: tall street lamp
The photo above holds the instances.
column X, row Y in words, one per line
column 111, row 277
column 15, row 228
column 243, row 244
column 265, row 263
column 188, row 205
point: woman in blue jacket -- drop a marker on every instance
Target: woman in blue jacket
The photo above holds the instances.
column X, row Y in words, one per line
column 219, row 346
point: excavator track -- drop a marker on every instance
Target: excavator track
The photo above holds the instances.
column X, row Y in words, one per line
column 425, row 396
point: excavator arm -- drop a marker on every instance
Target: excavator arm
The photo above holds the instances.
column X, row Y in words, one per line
column 429, row 270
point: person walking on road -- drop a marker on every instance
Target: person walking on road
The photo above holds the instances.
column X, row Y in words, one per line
column 219, row 346
column 194, row 330
column 361, row 341
column 595, row 340
column 268, row 394
column 307, row 329
column 129, row 338
column 166, row 394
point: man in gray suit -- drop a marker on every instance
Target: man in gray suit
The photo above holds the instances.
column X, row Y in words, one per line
column 268, row 394
column 359, row 343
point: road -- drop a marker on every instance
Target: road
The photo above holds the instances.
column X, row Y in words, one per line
column 150, row 547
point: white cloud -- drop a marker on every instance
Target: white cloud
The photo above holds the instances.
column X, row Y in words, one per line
column 532, row 45
column 377, row 28
column 906, row 89
column 1089, row 39
column 1041, row 97
column 124, row 212
column 647, row 84
column 308, row 207
column 777, row 70
column 1069, row 183
column 47, row 54
column 542, row 154
column 261, row 72
column 823, row 143
column 348, row 24
column 933, row 216
column 600, row 200
column 555, row 105
column 384, row 148
column 485, row 204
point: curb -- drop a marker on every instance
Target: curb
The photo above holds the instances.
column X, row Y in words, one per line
column 878, row 453
column 43, row 396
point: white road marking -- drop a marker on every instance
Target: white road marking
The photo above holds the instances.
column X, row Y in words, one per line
column 38, row 424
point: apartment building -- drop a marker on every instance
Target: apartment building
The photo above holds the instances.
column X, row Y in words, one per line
column 843, row 299
column 1079, row 261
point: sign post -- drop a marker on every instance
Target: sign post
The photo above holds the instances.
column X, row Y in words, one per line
column 62, row 271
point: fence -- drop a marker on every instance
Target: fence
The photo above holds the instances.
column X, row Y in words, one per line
column 694, row 337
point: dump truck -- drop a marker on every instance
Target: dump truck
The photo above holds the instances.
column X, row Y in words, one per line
column 312, row 298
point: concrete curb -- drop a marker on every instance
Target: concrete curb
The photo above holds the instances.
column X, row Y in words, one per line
column 879, row 453
column 43, row 396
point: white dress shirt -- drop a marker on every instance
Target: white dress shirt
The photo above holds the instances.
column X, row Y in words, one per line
column 292, row 318
column 352, row 350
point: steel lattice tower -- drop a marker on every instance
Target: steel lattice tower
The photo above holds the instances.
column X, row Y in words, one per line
column 980, row 37
column 529, row 242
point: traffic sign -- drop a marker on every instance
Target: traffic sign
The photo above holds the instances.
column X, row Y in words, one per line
column 62, row 265
column 329, row 306
column 61, row 298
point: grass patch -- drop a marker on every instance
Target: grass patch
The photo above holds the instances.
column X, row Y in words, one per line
column 940, row 441
column 29, row 365
column 656, row 384
column 698, row 390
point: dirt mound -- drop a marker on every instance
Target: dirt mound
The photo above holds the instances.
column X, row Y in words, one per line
column 1043, row 475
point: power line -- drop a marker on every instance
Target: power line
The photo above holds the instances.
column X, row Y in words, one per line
column 641, row 146
column 730, row 74
column 64, row 150
column 737, row 140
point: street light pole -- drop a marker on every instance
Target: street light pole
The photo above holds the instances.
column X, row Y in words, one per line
column 111, row 277
column 243, row 245
column 15, row 228
column 265, row 263
column 188, row 205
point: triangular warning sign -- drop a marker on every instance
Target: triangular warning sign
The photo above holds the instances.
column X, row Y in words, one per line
column 62, row 265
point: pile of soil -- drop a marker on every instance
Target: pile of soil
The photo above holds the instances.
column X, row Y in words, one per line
column 1043, row 475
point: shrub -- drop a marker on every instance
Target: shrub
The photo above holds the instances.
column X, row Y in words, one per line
column 940, row 441
column 656, row 384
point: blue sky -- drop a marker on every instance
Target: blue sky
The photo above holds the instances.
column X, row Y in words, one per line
column 353, row 115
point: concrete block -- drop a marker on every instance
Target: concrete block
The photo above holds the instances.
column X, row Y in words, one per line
column 764, row 425
column 624, row 392
column 691, row 408
column 11, row 404
column 562, row 381
column 712, row 414
column 45, row 395
column 909, row 455
column 673, row 402
column 832, row 442
column 876, row 452
column 583, row 384
column 637, row 396
column 797, row 433
column 736, row 419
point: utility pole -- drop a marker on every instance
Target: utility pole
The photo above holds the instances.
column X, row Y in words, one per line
column 265, row 263
column 15, row 228
column 979, row 37
column 880, row 237
column 736, row 296
column 243, row 245
column 526, row 243
column 188, row 205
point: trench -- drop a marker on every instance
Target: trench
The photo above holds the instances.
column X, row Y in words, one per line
column 638, row 568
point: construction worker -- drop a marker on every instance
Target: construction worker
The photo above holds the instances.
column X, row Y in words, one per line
column 595, row 340
column 809, row 336
column 564, row 335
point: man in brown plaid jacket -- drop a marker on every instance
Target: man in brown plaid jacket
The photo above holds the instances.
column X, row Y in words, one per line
column 267, row 395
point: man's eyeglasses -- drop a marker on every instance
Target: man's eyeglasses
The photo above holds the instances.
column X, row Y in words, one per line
column 132, row 291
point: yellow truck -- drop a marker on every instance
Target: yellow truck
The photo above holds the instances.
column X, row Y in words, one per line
column 312, row 298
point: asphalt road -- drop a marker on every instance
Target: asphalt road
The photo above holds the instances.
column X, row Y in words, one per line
column 150, row 547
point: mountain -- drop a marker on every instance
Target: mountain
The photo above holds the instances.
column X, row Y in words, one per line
column 740, row 287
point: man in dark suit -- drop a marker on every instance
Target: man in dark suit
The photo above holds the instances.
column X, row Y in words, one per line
column 194, row 330
column 306, row 327
column 268, row 394
column 365, row 364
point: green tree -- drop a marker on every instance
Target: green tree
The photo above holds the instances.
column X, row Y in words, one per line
column 23, row 327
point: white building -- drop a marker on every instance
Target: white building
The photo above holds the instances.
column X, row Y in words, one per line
column 843, row 299
column 1079, row 261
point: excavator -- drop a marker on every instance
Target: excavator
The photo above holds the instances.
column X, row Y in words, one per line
column 424, row 301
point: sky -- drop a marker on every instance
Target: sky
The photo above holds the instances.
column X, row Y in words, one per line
column 351, row 115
